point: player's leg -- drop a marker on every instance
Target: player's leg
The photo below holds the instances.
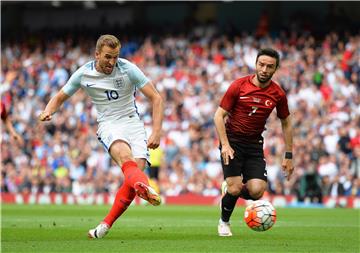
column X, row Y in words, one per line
column 254, row 189
column 125, row 140
column 230, row 197
column 139, row 150
column 135, row 178
column 124, row 196
column 228, row 202
column 135, row 182
column 120, row 152
column 254, row 173
column 232, row 175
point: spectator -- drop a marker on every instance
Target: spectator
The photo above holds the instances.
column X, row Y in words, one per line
column 310, row 186
column 191, row 73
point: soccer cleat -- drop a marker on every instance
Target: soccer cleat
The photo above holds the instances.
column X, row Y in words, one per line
column 224, row 228
column 146, row 192
column 99, row 232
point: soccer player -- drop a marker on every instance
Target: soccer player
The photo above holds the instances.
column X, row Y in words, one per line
column 240, row 120
column 111, row 82
column 9, row 126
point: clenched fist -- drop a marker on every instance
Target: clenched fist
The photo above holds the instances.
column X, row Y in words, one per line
column 45, row 116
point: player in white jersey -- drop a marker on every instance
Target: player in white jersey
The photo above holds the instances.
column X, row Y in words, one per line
column 111, row 82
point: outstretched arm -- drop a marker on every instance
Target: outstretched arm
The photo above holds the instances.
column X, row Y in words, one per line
column 226, row 150
column 157, row 114
column 287, row 164
column 53, row 105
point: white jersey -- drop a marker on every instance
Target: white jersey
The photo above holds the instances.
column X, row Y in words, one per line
column 113, row 95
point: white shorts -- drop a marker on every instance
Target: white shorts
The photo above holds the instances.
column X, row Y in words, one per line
column 129, row 129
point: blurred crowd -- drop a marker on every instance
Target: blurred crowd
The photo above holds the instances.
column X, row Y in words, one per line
column 320, row 76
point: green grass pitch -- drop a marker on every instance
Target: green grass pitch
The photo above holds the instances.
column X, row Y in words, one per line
column 52, row 228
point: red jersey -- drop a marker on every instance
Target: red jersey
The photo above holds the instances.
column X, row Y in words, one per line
column 249, row 107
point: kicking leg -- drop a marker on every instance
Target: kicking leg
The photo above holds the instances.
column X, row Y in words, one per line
column 136, row 182
column 134, row 176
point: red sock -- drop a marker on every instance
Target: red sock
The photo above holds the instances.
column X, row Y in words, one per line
column 123, row 199
column 133, row 174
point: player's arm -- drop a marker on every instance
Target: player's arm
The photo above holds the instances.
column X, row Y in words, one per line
column 157, row 113
column 287, row 164
column 219, row 121
column 72, row 85
column 53, row 105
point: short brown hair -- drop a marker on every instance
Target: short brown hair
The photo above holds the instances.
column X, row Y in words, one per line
column 269, row 52
column 107, row 40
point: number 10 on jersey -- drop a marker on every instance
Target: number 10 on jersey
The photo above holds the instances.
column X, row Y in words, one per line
column 112, row 94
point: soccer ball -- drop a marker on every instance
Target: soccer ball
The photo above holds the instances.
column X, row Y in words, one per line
column 260, row 215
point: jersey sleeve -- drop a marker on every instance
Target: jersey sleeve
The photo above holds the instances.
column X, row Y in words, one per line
column 230, row 97
column 73, row 84
column 282, row 108
column 136, row 76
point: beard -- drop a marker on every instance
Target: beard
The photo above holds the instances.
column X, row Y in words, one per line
column 107, row 69
column 102, row 67
column 263, row 79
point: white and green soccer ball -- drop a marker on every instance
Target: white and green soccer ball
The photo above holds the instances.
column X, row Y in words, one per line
column 260, row 215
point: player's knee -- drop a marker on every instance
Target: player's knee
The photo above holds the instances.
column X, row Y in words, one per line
column 125, row 159
column 256, row 192
column 234, row 189
column 121, row 152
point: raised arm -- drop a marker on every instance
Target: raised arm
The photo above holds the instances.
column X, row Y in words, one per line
column 53, row 105
column 157, row 114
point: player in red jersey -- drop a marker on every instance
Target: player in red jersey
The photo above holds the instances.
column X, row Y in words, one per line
column 240, row 120
column 8, row 124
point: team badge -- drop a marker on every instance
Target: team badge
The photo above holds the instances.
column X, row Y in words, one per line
column 120, row 82
column 268, row 102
